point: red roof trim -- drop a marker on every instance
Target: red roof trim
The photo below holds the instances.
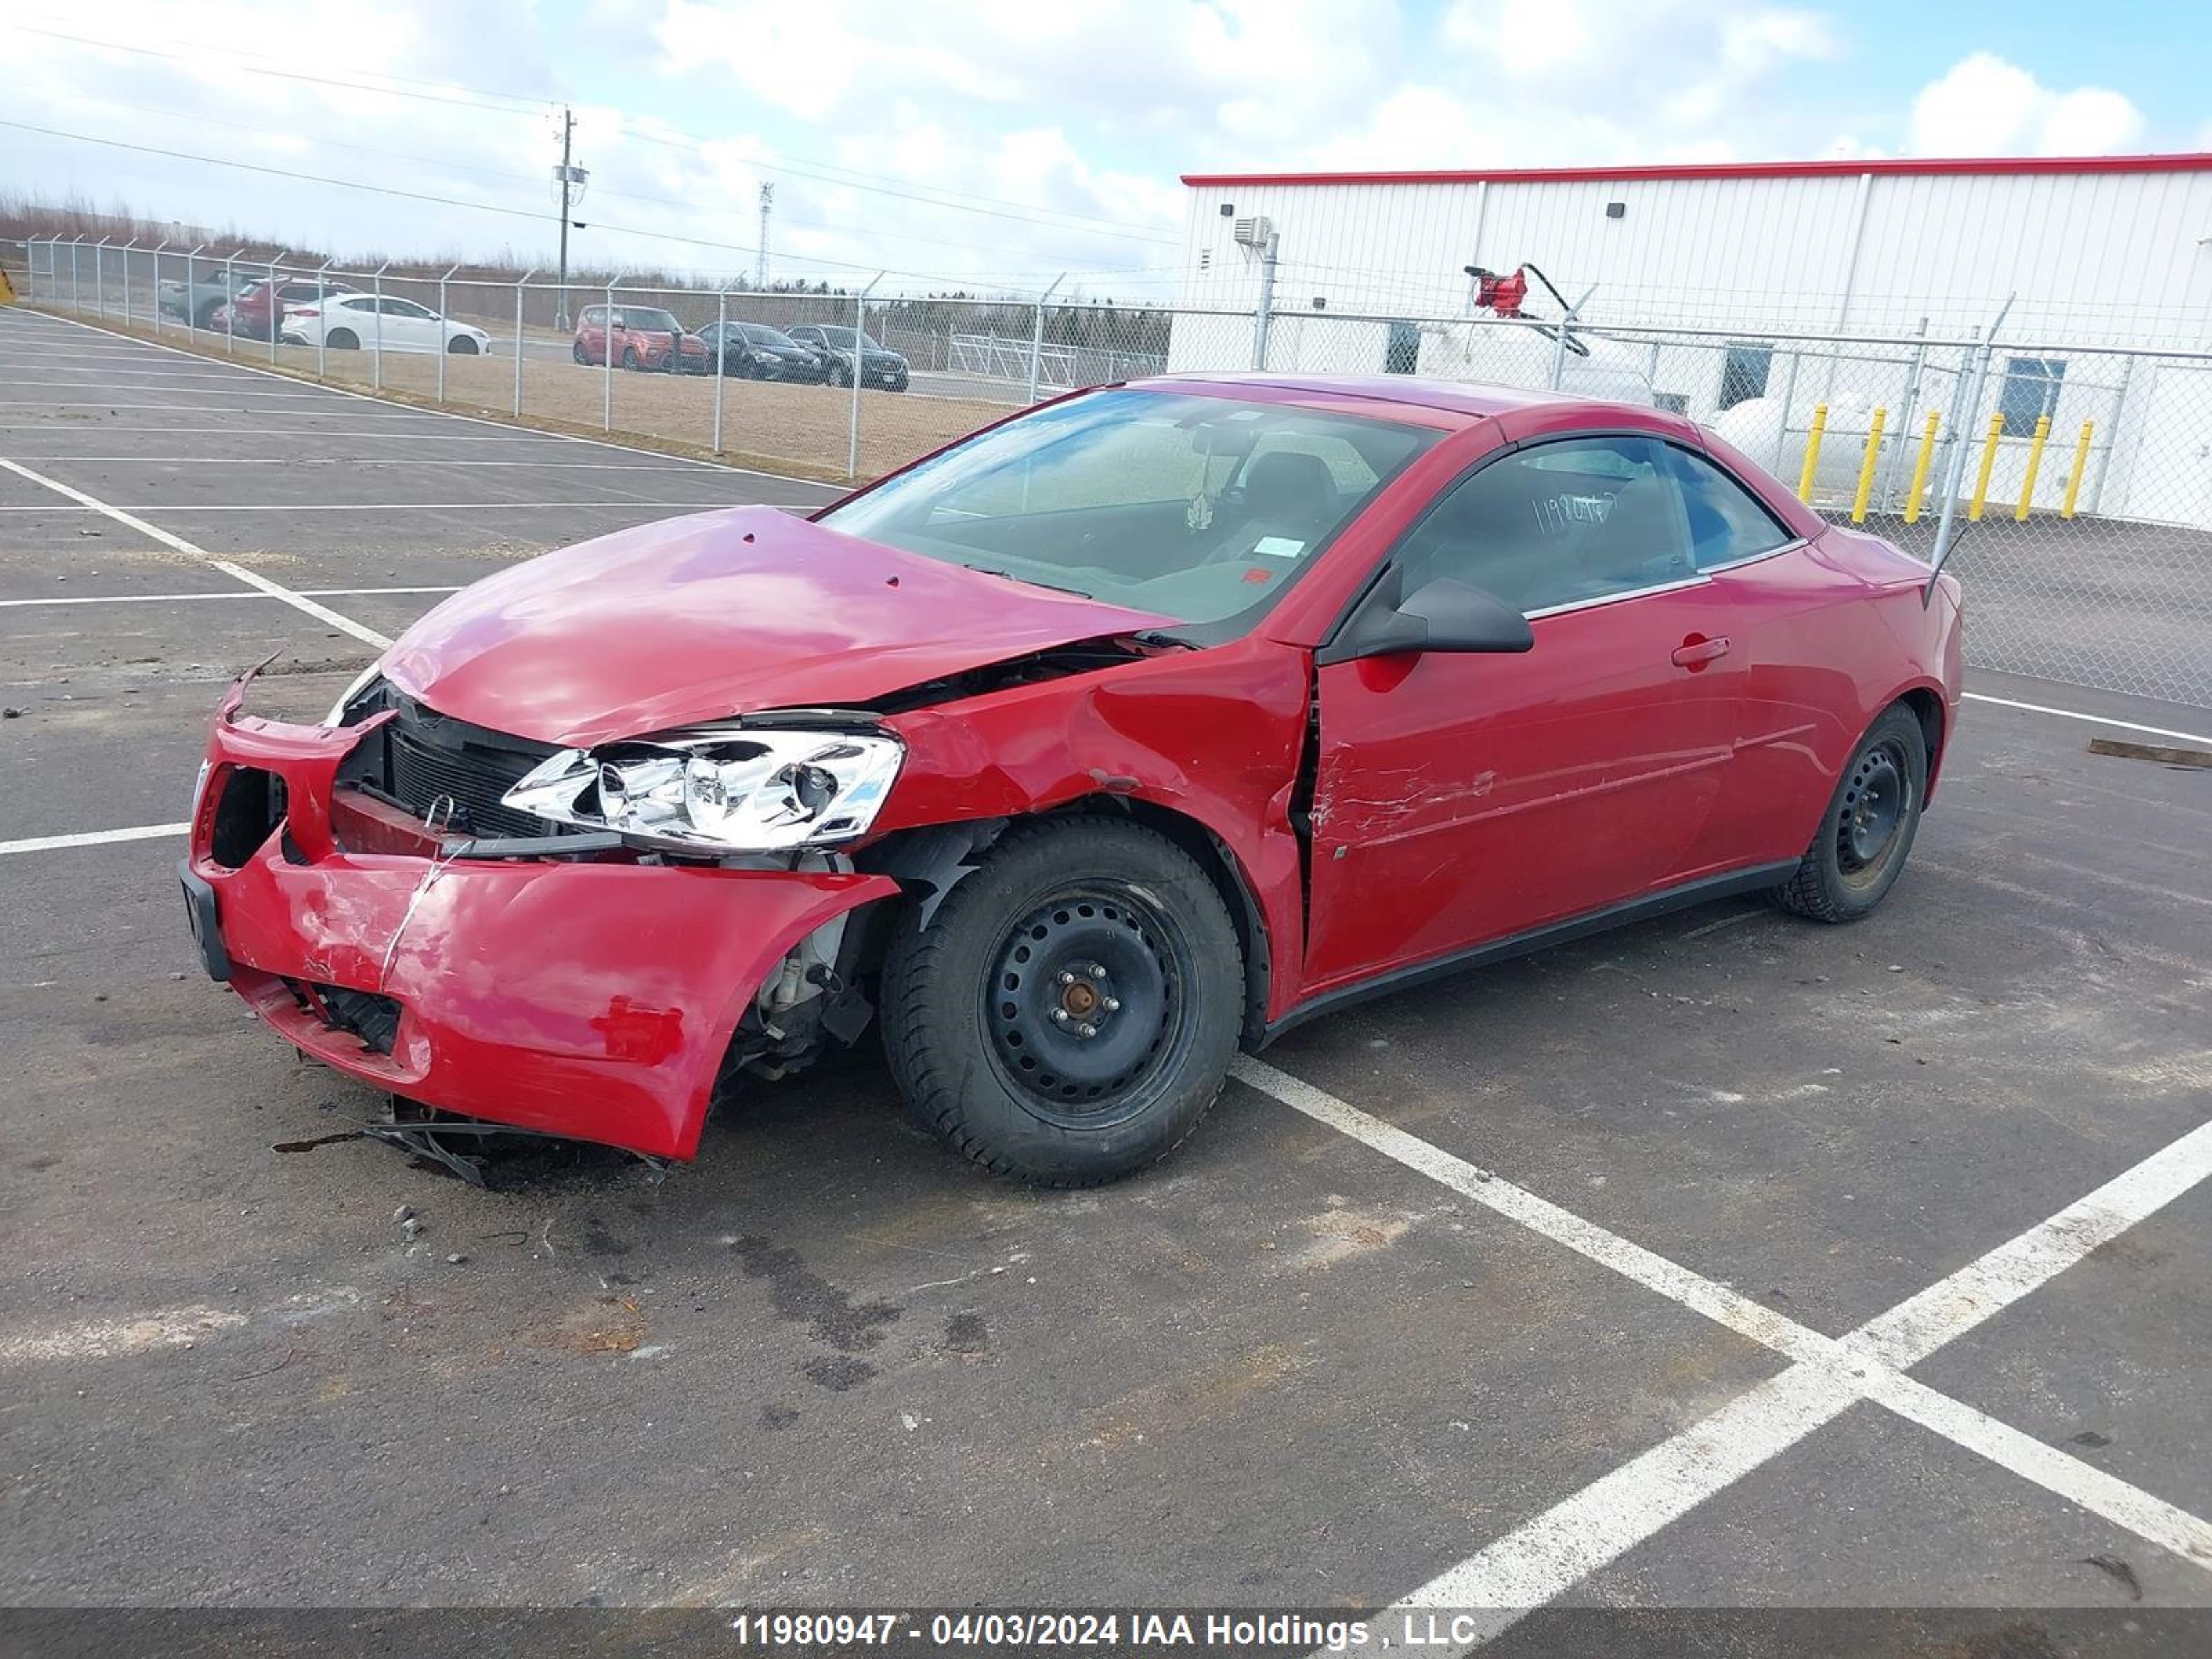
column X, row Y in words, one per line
column 2195, row 162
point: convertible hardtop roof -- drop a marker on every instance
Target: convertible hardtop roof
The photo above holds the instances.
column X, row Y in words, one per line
column 1468, row 400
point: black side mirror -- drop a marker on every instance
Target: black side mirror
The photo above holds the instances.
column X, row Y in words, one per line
column 1441, row 615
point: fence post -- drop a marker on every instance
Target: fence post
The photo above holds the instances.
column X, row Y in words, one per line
column 443, row 343
column 230, row 303
column 1782, row 428
column 721, row 357
column 376, row 368
column 99, row 279
column 125, row 252
column 192, row 308
column 1946, row 525
column 1905, row 413
column 2113, row 437
column 74, row 303
column 607, row 359
column 1036, row 333
column 519, row 284
column 322, row 318
column 157, row 286
column 859, row 328
column 276, row 303
column 1263, row 315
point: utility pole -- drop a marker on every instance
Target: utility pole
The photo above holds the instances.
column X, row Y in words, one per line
column 760, row 270
column 571, row 176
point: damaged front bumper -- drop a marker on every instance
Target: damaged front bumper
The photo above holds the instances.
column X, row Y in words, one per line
column 595, row 996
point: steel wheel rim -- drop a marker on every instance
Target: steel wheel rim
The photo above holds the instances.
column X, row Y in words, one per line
column 1097, row 957
column 1871, row 819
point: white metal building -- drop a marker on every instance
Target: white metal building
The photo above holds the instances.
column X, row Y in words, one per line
column 1772, row 285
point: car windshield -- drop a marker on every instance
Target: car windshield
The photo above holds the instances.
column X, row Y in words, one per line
column 843, row 337
column 645, row 317
column 761, row 334
column 1201, row 508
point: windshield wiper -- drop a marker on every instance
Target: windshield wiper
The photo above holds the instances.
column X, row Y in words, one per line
column 1033, row 581
column 1161, row 636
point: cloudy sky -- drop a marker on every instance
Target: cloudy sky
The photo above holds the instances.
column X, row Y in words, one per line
column 994, row 143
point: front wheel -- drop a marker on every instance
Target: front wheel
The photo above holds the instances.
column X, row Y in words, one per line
column 839, row 375
column 629, row 358
column 578, row 352
column 1069, row 1012
column 1860, row 848
column 461, row 346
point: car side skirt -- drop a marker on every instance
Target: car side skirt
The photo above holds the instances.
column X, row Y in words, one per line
column 1702, row 891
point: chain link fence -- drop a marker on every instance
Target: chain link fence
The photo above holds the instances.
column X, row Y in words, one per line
column 2077, row 478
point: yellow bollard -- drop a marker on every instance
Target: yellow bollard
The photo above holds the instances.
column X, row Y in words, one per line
column 1866, row 467
column 2035, row 466
column 2081, row 465
column 1812, row 452
column 1920, row 467
column 1989, row 461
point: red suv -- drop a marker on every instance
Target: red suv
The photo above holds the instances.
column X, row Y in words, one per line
column 247, row 316
column 638, row 336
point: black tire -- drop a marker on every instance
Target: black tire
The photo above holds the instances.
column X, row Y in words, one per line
column 1867, row 832
column 629, row 358
column 581, row 356
column 461, row 346
column 207, row 311
column 838, row 375
column 1112, row 926
column 342, row 340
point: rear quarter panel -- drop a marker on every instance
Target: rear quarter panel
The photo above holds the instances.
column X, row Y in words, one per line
column 1837, row 633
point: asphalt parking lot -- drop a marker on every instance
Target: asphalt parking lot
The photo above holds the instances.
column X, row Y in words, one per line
column 1724, row 1261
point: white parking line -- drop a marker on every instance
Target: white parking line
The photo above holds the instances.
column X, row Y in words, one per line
column 238, row 572
column 2092, row 719
column 170, row 598
column 77, row 383
column 93, row 838
column 1549, row 1553
column 370, row 398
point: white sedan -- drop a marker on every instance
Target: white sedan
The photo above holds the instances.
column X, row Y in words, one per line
column 370, row 322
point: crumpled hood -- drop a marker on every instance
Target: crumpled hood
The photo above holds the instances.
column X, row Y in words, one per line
column 701, row 618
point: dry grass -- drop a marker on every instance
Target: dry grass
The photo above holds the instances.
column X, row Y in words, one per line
column 798, row 430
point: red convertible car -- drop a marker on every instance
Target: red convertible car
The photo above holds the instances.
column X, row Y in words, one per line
column 1116, row 737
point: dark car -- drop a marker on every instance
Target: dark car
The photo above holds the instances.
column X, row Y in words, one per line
column 753, row 351
column 879, row 365
column 1123, row 734
column 249, row 314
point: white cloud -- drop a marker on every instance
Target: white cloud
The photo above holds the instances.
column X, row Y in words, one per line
column 1985, row 105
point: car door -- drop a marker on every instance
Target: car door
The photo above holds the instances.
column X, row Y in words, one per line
column 1461, row 800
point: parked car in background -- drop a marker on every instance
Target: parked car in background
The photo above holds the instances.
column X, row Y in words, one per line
column 1119, row 736
column 210, row 288
column 371, row 322
column 638, row 336
column 753, row 351
column 879, row 365
column 247, row 315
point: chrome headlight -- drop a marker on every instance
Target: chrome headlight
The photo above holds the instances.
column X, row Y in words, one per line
column 729, row 789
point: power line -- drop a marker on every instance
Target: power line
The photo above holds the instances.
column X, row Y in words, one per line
column 688, row 206
column 826, row 173
column 450, row 201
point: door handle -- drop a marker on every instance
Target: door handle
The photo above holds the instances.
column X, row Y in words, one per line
column 1696, row 652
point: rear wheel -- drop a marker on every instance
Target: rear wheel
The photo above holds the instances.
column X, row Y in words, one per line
column 1868, row 830
column 1069, row 1012
column 342, row 340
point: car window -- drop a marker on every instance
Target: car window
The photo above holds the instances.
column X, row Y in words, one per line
column 1728, row 524
column 359, row 302
column 1560, row 524
column 1197, row 507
